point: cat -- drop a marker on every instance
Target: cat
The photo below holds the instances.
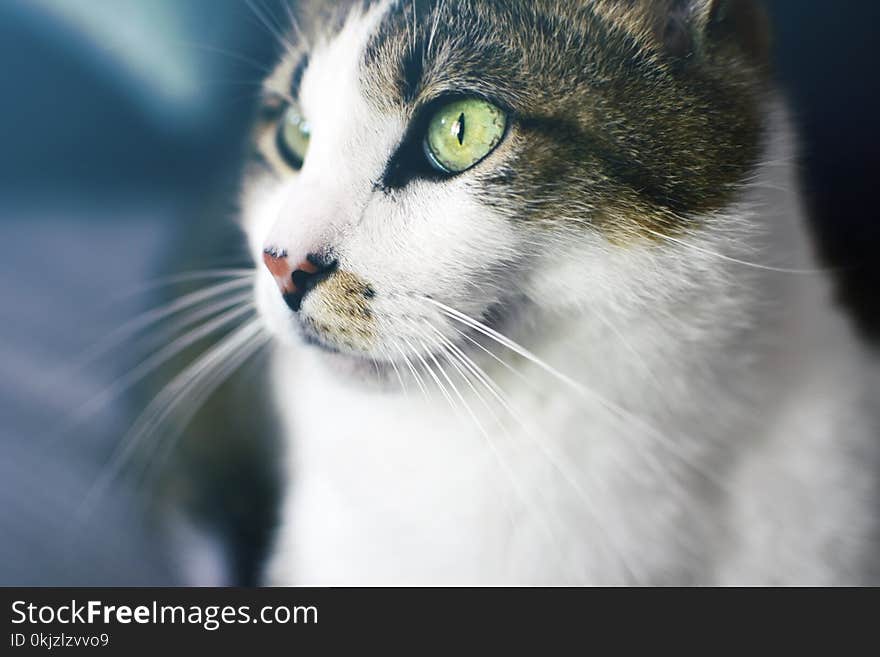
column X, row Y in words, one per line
column 544, row 307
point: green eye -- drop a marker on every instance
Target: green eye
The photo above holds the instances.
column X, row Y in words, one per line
column 462, row 133
column 293, row 137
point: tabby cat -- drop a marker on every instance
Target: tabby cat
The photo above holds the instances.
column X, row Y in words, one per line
column 544, row 306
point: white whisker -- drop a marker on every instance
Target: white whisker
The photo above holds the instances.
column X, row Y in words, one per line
column 737, row 261
column 186, row 277
column 295, row 28
column 167, row 400
column 244, row 59
column 390, row 359
column 557, row 462
column 200, row 392
column 195, row 316
column 122, row 333
column 623, row 414
column 515, row 483
column 271, row 27
column 149, row 365
column 412, row 369
column 428, row 369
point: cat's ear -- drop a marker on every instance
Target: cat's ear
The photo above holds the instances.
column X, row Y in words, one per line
column 708, row 23
column 685, row 28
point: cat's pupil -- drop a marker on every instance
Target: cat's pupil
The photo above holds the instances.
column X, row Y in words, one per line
column 459, row 129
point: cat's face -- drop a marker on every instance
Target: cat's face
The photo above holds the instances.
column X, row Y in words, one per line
column 497, row 159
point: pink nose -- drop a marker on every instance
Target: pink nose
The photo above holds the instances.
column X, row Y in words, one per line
column 279, row 266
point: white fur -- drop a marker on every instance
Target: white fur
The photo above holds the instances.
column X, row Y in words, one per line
column 718, row 437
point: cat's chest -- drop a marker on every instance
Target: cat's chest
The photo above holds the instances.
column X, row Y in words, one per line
column 433, row 486
column 427, row 440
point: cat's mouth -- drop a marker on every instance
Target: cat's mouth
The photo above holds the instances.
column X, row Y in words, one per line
column 417, row 337
column 316, row 342
column 364, row 366
column 436, row 347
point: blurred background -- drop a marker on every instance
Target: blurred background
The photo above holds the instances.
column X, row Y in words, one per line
column 121, row 124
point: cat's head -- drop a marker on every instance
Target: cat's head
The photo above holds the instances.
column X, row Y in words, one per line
column 417, row 159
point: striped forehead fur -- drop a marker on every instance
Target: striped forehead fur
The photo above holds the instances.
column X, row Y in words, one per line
column 617, row 122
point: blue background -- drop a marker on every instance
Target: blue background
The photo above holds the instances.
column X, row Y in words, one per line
column 120, row 127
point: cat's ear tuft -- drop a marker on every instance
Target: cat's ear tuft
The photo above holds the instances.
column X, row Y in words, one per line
column 674, row 27
column 685, row 28
column 742, row 24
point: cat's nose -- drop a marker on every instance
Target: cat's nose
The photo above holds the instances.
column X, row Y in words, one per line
column 295, row 282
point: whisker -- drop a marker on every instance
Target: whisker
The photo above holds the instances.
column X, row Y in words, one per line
column 627, row 345
column 442, row 371
column 152, row 363
column 412, row 369
column 193, row 317
column 165, row 402
column 737, row 261
column 144, row 321
column 390, row 359
column 622, row 414
column 415, row 28
column 557, row 463
column 653, row 461
column 515, row 483
column 505, row 341
column 270, row 26
column 429, row 49
column 428, row 370
column 244, row 59
column 223, row 357
column 185, row 277
column 204, row 389
column 293, row 23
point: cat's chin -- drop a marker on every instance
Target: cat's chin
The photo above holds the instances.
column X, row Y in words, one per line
column 351, row 368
